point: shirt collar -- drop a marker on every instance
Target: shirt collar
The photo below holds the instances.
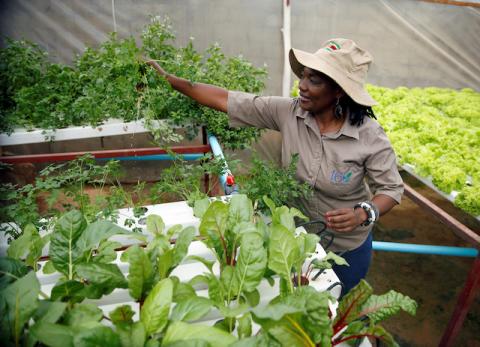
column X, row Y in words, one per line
column 347, row 129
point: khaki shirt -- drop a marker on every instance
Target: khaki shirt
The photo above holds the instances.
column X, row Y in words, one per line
column 334, row 164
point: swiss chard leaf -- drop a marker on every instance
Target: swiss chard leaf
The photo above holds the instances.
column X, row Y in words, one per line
column 156, row 308
column 49, row 311
column 132, row 335
column 251, row 262
column 108, row 276
column 72, row 291
column 19, row 247
column 83, row 314
column 155, row 224
column 351, row 304
column 140, row 271
column 240, row 209
column 191, row 309
column 182, row 243
column 328, row 261
column 97, row 336
column 245, row 325
column 11, row 269
column 360, row 331
column 179, row 331
column 63, row 251
column 380, row 307
column 18, row 303
column 201, row 207
column 51, row 334
column 122, row 314
column 97, row 232
column 283, row 251
column 213, row 227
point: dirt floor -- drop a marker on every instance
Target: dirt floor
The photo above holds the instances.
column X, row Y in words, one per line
column 433, row 281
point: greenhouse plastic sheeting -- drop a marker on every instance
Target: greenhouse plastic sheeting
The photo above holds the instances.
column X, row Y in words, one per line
column 414, row 43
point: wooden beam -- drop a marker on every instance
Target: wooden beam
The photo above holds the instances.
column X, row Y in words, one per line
column 460, row 229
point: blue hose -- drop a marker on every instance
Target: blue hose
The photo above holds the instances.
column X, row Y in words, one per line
column 424, row 249
column 194, row 156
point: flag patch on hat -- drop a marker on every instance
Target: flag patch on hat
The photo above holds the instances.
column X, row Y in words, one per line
column 332, row 46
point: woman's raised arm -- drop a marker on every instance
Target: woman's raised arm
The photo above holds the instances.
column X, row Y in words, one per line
column 205, row 94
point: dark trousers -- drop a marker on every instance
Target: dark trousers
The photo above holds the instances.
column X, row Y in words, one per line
column 359, row 261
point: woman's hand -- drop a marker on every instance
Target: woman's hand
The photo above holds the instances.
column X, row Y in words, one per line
column 345, row 219
column 157, row 67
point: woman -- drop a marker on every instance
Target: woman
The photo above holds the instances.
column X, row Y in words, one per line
column 330, row 126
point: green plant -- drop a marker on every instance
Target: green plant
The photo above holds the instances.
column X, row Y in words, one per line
column 360, row 311
column 82, row 254
column 301, row 318
column 279, row 184
column 63, row 186
column 112, row 81
column 183, row 179
column 238, row 244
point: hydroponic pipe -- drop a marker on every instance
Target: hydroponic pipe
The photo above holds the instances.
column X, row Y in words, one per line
column 160, row 157
column 424, row 249
column 217, row 152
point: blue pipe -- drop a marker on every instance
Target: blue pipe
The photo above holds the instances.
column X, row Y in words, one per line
column 217, row 152
column 157, row 157
column 424, row 249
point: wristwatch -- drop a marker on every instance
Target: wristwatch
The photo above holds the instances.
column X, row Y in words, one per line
column 371, row 210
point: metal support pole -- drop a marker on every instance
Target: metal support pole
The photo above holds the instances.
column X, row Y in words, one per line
column 463, row 304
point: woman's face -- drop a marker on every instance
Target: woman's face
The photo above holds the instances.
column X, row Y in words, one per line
column 318, row 92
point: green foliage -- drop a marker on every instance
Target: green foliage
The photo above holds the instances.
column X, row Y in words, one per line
column 279, row 184
column 298, row 319
column 167, row 307
column 183, row 178
column 112, row 81
column 438, row 132
column 62, row 186
column 360, row 304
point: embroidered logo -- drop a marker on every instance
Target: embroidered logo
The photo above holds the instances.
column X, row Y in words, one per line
column 338, row 177
column 332, row 46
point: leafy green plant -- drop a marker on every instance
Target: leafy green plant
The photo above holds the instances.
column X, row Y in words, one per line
column 112, row 81
column 158, row 259
column 439, row 137
column 279, row 184
column 183, row 179
column 82, row 254
column 62, row 187
column 360, row 311
column 301, row 318
column 289, row 251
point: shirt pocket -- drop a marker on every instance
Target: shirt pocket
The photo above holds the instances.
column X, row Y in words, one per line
column 340, row 179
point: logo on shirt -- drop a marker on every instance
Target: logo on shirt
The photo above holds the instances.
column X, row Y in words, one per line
column 338, row 177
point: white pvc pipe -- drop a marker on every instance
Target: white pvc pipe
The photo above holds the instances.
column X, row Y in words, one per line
column 286, row 48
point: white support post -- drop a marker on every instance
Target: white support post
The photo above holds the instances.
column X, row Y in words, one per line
column 286, row 48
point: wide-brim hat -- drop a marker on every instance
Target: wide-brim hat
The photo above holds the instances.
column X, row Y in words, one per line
column 341, row 60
